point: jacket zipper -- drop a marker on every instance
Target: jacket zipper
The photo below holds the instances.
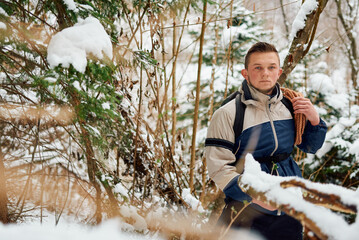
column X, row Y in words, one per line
column 273, row 129
column 275, row 139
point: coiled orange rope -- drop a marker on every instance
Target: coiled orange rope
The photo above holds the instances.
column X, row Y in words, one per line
column 299, row 118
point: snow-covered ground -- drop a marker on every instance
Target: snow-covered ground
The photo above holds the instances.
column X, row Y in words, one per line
column 111, row 229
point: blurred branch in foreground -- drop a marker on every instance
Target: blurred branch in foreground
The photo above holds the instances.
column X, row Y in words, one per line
column 311, row 203
column 62, row 115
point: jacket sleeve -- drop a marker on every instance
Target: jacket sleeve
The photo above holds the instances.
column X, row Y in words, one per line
column 313, row 137
column 220, row 159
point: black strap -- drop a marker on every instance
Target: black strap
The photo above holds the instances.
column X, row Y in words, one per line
column 230, row 98
column 275, row 158
column 238, row 121
column 217, row 142
column 288, row 104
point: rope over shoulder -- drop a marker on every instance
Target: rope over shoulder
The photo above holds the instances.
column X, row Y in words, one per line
column 299, row 118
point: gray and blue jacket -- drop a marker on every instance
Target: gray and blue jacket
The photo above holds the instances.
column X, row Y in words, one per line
column 268, row 131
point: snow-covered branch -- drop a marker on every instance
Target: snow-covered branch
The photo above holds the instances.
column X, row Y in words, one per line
column 300, row 198
column 302, row 34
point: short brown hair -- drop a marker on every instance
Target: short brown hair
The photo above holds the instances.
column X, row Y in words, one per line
column 259, row 47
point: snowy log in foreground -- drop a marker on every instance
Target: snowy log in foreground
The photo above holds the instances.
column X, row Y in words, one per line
column 300, row 198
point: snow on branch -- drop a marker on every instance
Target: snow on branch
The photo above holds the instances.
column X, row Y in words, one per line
column 73, row 45
column 299, row 22
column 304, row 200
column 302, row 34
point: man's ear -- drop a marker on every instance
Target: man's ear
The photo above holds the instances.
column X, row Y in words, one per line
column 244, row 73
column 280, row 72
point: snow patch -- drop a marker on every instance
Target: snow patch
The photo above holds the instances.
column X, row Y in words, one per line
column 191, row 200
column 354, row 149
column 71, row 5
column 2, row 25
column 139, row 222
column 121, row 190
column 339, row 101
column 112, row 229
column 73, row 44
column 3, row 12
column 105, row 105
column 321, row 82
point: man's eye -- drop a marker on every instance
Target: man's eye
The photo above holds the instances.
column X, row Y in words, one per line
column 258, row 68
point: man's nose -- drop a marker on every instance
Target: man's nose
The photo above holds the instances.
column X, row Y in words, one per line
column 265, row 71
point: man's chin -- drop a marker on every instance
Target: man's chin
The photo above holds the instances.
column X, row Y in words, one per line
column 266, row 91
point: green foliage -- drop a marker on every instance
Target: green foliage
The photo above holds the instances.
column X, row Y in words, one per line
column 145, row 59
column 93, row 94
column 233, row 210
column 274, row 166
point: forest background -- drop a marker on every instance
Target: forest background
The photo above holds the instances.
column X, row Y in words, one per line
column 104, row 105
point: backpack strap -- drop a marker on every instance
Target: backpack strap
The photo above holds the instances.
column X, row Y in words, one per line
column 238, row 121
column 240, row 110
column 288, row 104
column 230, row 98
column 237, row 126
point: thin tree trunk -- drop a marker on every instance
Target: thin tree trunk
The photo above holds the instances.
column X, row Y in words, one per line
column 284, row 19
column 352, row 51
column 229, row 52
column 42, row 190
column 137, row 27
column 137, row 121
column 204, row 178
column 214, row 63
column 3, row 193
column 92, row 169
column 175, row 53
column 179, row 44
column 165, row 83
column 174, row 102
column 198, row 86
column 211, row 102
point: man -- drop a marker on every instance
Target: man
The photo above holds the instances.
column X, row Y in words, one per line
column 268, row 134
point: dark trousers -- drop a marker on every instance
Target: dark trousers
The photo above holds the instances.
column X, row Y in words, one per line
column 271, row 227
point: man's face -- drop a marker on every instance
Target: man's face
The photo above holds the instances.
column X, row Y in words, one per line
column 263, row 71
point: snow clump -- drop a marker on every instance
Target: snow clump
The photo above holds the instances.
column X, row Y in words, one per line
column 73, row 44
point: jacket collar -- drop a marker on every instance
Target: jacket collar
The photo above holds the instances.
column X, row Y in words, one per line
column 253, row 96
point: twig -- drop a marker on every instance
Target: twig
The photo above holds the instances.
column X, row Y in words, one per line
column 246, row 204
column 224, row 19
